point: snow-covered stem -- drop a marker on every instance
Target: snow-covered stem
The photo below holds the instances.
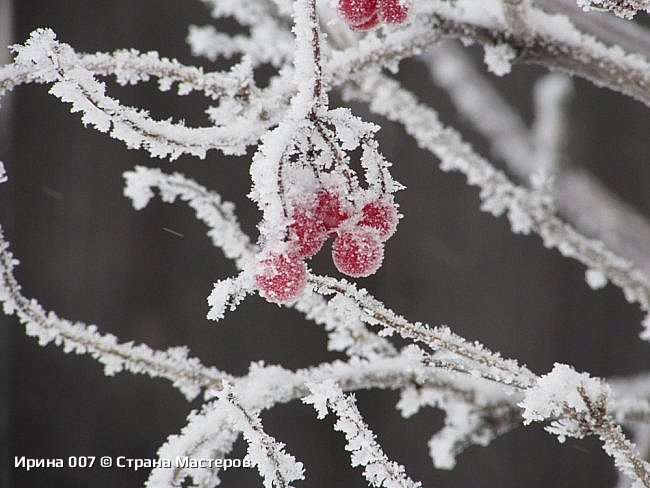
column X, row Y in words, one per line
column 552, row 42
column 615, row 443
column 293, row 129
column 622, row 8
column 207, row 435
column 364, row 449
column 515, row 12
column 550, row 95
column 609, row 29
column 129, row 67
column 346, row 333
column 498, row 194
column 457, row 354
column 578, row 195
column 185, row 372
column 224, row 229
column 277, row 468
column 577, row 405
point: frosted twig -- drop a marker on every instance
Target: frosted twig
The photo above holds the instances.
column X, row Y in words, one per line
column 346, row 332
column 364, row 449
column 266, row 43
column 498, row 193
column 130, row 67
column 578, row 195
column 54, row 62
column 515, row 12
column 207, row 435
column 219, row 216
column 632, row 37
column 553, row 42
column 622, row 8
column 276, row 467
column 472, row 358
column 550, row 94
column 579, row 405
column 186, row 373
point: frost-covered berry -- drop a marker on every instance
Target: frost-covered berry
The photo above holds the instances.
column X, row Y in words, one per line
column 281, row 278
column 358, row 252
column 329, row 209
column 380, row 215
column 393, row 11
column 307, row 232
column 357, row 13
column 369, row 24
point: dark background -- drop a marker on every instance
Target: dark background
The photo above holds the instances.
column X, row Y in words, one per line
column 86, row 254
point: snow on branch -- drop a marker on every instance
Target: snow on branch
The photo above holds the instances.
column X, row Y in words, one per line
column 317, row 173
column 219, row 216
column 525, row 210
column 209, row 434
column 550, row 40
column 130, row 67
column 186, row 373
column 626, row 9
column 345, row 330
column 579, row 196
column 456, row 354
column 576, row 404
column 361, row 441
column 277, row 468
column 48, row 61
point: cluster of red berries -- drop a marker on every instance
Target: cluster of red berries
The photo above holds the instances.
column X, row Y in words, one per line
column 357, row 250
column 366, row 14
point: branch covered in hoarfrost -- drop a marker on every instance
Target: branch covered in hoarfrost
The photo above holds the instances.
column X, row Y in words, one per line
column 264, row 44
column 499, row 195
column 578, row 403
column 276, row 467
column 612, row 30
column 211, row 433
column 455, row 353
column 48, row 61
column 553, row 42
column 551, row 94
column 186, row 373
column 131, row 67
column 346, row 332
column 207, row 435
column 578, row 195
column 361, row 441
column 622, row 8
column 224, row 229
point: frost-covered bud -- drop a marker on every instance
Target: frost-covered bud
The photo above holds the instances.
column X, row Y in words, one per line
column 357, row 252
column 393, row 11
column 359, row 14
column 380, row 215
column 281, row 278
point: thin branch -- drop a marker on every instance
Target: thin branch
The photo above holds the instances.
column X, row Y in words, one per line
column 526, row 213
column 579, row 196
column 186, row 373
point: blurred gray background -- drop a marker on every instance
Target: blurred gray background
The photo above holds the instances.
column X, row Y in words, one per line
column 88, row 255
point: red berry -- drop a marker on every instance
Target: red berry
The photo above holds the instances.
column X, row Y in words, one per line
column 329, row 210
column 308, row 232
column 380, row 215
column 357, row 12
column 393, row 11
column 372, row 22
column 358, row 253
column 281, row 278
